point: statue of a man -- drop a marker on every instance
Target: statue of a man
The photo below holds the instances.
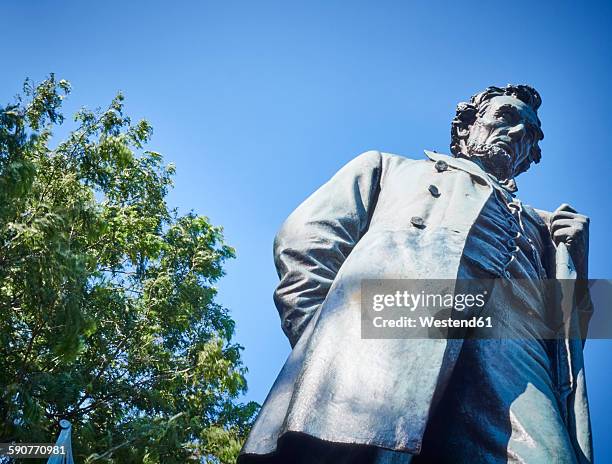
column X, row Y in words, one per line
column 341, row 398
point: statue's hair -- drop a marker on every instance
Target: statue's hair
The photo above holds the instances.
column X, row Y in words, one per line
column 467, row 113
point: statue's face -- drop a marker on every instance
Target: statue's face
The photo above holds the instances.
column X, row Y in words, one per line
column 503, row 135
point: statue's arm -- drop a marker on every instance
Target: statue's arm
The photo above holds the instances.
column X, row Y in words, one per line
column 317, row 237
column 584, row 304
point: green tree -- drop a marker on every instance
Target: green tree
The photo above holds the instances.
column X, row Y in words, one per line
column 107, row 300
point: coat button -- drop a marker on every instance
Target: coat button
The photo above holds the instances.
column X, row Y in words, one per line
column 441, row 165
column 417, row 221
column 434, row 190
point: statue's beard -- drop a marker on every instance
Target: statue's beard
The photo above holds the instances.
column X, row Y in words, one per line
column 494, row 159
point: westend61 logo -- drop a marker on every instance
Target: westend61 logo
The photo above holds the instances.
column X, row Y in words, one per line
column 422, row 308
column 423, row 303
column 489, row 309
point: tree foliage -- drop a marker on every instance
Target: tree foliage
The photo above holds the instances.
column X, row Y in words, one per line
column 107, row 300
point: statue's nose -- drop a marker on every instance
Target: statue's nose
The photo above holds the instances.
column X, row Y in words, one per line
column 517, row 132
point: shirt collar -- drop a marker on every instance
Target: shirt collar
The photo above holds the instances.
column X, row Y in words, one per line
column 472, row 168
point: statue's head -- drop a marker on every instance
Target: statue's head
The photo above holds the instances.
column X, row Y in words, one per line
column 500, row 128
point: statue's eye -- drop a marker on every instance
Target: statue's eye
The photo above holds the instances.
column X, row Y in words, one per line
column 507, row 115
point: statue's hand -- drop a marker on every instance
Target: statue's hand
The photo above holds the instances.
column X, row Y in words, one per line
column 572, row 228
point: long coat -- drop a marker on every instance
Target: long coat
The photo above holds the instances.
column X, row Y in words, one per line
column 378, row 218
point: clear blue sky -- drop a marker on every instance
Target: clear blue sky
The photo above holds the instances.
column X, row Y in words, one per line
column 258, row 103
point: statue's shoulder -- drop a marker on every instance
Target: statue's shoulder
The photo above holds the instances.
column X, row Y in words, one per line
column 377, row 165
column 383, row 159
column 394, row 159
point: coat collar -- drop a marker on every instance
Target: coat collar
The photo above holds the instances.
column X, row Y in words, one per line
column 470, row 167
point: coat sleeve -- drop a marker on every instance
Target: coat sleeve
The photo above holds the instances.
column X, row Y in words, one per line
column 318, row 236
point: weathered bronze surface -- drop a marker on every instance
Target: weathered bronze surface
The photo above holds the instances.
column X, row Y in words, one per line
column 343, row 399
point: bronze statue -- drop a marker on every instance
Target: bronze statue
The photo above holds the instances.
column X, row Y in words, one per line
column 341, row 398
